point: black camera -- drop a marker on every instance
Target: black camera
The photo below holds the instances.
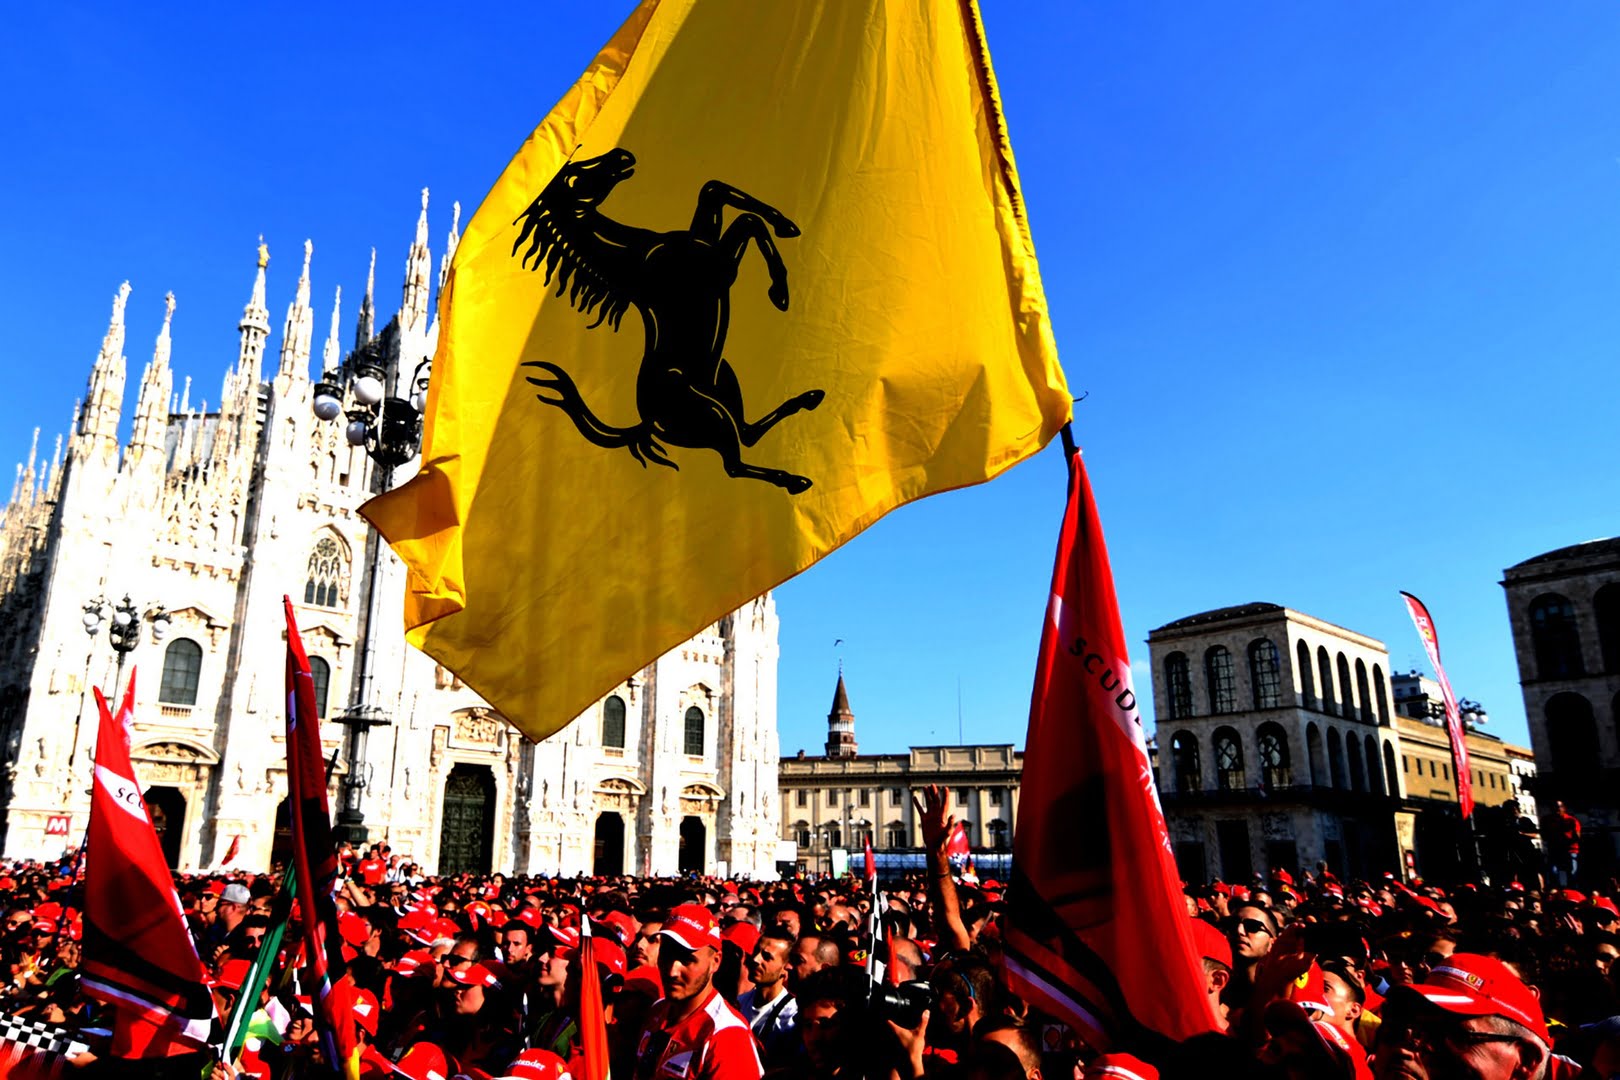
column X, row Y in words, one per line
column 904, row 1004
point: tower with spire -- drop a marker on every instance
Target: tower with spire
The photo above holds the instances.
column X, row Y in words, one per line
column 149, row 434
column 96, row 440
column 841, row 723
column 296, row 338
column 413, row 309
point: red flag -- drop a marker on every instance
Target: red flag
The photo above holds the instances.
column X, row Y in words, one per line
column 956, row 845
column 1097, row 932
column 592, row 1016
column 233, row 851
column 314, row 858
column 138, row 953
column 1454, row 726
column 871, row 867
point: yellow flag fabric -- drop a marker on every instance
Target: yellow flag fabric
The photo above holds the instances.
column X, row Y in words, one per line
column 763, row 275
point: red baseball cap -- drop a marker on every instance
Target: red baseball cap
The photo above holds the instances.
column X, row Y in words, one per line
column 424, row 1061
column 474, row 975
column 1211, row 943
column 1468, row 984
column 232, row 973
column 564, row 940
column 744, row 935
column 364, row 1007
column 610, row 955
column 354, row 928
column 1309, row 991
column 1606, row 904
column 537, row 1065
column 623, row 925
column 530, row 917
column 693, row 926
column 415, row 962
column 1122, row 1067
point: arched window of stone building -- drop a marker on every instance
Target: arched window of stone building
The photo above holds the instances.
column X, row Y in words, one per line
column 1347, row 690
column 613, row 723
column 1324, row 668
column 694, row 732
column 1352, row 750
column 1375, row 771
column 1222, row 683
column 1313, row 753
column 1307, row 685
column 1276, row 768
column 1383, row 695
column 1362, row 692
column 1572, row 736
column 1184, row 758
column 1265, row 674
column 321, row 674
column 327, row 573
column 1335, row 757
column 1607, row 607
column 1229, row 759
column 182, row 664
column 1556, row 638
column 1389, row 769
column 1178, row 681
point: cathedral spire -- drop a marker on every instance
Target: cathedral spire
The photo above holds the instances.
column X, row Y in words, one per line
column 418, row 268
column 450, row 244
column 104, row 399
column 364, row 326
column 53, row 479
column 841, row 723
column 331, row 354
column 295, row 339
column 255, row 325
column 152, row 407
column 27, row 477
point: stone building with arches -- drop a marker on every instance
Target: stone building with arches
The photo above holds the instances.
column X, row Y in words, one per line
column 1276, row 744
column 215, row 512
column 1564, row 612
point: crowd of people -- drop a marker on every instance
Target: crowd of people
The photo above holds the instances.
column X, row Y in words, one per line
column 481, row 976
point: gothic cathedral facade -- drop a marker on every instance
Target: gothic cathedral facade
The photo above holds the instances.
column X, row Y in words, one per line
column 213, row 513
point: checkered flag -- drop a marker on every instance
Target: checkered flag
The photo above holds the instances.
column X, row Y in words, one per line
column 30, row 1050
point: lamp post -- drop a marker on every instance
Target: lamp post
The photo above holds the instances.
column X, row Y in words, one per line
column 389, row 428
column 124, row 634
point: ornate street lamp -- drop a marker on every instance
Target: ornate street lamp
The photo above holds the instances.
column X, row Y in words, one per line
column 124, row 634
column 389, row 428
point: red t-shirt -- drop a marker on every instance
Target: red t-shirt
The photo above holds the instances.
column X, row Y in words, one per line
column 371, row 871
column 713, row 1042
column 1569, row 832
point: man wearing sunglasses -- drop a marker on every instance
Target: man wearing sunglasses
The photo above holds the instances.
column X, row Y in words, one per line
column 1470, row 1018
column 1253, row 933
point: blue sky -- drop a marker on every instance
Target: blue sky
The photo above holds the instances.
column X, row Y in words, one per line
column 1338, row 280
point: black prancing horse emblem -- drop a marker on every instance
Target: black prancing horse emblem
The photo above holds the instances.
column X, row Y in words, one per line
column 680, row 282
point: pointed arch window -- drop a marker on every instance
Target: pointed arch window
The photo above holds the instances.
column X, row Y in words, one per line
column 182, row 665
column 326, row 578
column 1276, row 764
column 1265, row 674
column 321, row 674
column 1222, row 682
column 1178, row 680
column 694, row 732
column 613, row 723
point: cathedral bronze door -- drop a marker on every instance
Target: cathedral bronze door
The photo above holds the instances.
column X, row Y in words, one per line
column 608, row 854
column 168, row 809
column 467, row 831
column 694, row 846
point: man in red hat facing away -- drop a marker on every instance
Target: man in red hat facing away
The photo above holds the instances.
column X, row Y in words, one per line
column 692, row 1032
column 1471, row 1017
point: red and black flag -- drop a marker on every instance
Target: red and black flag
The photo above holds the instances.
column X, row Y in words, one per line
column 315, row 860
column 139, row 957
column 1097, row 931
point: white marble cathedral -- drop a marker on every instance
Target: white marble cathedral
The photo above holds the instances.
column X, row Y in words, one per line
column 214, row 513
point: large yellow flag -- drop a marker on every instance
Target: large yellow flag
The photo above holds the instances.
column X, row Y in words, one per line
column 762, row 276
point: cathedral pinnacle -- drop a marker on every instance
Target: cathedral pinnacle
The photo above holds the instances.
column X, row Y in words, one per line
column 366, row 321
column 255, row 324
column 418, row 267
column 152, row 406
column 104, row 398
column 296, row 338
column 450, row 244
column 160, row 354
column 330, row 355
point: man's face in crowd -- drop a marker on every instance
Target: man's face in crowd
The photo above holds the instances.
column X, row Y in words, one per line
column 1604, row 955
column 460, row 955
column 1342, row 996
column 554, row 968
column 686, row 973
column 469, row 999
column 804, row 962
column 769, row 964
column 789, row 921
column 646, row 946
column 1434, row 1045
column 822, row 1028
column 516, row 945
column 1252, row 933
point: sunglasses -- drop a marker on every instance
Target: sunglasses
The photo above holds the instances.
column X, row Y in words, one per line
column 1253, row 926
column 455, row 961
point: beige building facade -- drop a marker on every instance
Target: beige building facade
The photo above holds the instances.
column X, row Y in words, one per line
column 1564, row 613
column 840, row 800
column 210, row 513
